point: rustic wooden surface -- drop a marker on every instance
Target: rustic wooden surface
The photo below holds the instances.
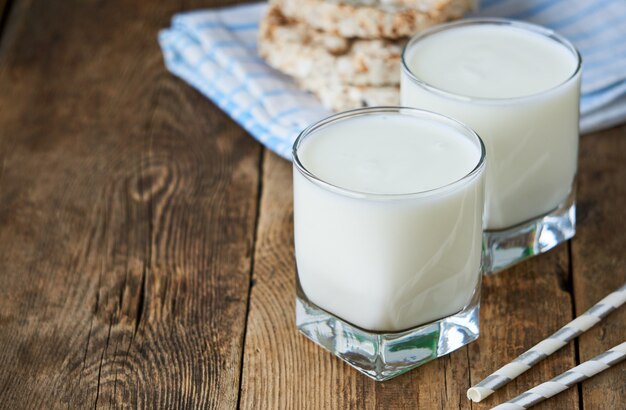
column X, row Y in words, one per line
column 146, row 248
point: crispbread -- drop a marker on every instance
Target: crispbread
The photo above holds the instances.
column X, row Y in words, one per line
column 303, row 52
column 393, row 5
column 396, row 20
column 342, row 97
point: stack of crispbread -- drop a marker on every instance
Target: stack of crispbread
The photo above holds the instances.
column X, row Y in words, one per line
column 348, row 52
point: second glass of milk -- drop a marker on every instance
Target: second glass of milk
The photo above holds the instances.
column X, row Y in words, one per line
column 388, row 208
column 518, row 86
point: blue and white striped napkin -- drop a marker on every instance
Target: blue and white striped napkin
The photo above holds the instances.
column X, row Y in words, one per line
column 215, row 52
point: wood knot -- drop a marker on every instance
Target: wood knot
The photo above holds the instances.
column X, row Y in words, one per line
column 151, row 181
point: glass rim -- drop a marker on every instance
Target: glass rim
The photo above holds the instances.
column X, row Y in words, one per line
column 415, row 112
column 495, row 21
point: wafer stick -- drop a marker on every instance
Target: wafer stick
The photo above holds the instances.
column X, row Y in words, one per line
column 566, row 380
column 548, row 346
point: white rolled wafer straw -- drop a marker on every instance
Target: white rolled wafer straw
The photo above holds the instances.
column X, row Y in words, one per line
column 547, row 346
column 566, row 380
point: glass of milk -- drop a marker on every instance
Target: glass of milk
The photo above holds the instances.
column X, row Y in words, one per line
column 518, row 86
column 388, row 208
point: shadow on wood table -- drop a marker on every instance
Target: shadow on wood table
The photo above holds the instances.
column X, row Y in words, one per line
column 146, row 244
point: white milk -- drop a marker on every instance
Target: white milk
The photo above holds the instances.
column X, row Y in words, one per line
column 518, row 90
column 370, row 255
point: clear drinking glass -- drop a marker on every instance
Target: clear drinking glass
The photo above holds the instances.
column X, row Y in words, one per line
column 389, row 281
column 533, row 149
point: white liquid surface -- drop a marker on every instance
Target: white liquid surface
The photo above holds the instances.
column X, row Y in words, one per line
column 384, row 263
column 388, row 155
column 491, row 62
column 532, row 142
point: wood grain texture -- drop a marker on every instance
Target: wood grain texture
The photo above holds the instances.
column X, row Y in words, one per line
column 520, row 307
column 282, row 369
column 599, row 257
column 127, row 212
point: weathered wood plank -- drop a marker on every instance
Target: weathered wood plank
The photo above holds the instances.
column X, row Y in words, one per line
column 284, row 370
column 599, row 257
column 281, row 368
column 127, row 211
column 520, row 307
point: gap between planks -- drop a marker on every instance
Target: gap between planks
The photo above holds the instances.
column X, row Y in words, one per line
column 5, row 11
column 252, row 259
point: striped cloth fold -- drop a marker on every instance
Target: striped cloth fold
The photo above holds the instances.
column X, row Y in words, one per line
column 215, row 52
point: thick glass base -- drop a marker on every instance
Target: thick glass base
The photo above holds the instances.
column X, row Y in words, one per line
column 382, row 356
column 507, row 247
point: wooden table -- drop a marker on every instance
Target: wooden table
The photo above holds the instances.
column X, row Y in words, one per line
column 146, row 255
